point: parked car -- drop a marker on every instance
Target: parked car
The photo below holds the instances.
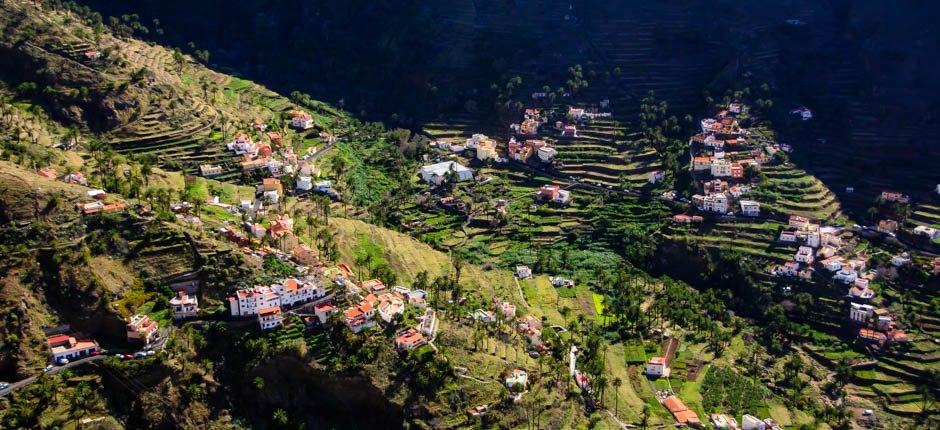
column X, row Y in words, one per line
column 128, row 357
column 63, row 361
column 48, row 368
column 4, row 385
column 140, row 354
column 151, row 353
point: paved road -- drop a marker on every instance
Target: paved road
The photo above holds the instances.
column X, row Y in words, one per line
column 24, row 382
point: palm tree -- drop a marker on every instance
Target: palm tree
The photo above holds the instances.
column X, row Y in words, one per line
column 617, row 382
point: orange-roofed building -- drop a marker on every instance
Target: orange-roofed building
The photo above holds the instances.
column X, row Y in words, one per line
column 69, row 348
column 272, row 184
column 657, row 366
column 264, row 150
column 270, row 318
column 373, row 285
column 409, row 339
column 301, row 120
column 48, row 172
column 275, row 137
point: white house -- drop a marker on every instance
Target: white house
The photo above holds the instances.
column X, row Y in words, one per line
column 323, row 311
column 930, row 232
column 716, row 203
column 804, row 113
column 250, row 301
column 142, row 329
column 523, row 272
column 901, row 259
column 270, row 318
column 804, row 255
column 301, row 120
column 860, row 314
column 656, row 176
column 517, row 377
column 486, row 149
column 360, row 317
column 437, row 173
column 846, row 275
column 184, row 306
column 721, row 168
column 68, row 347
column 304, row 183
column 788, row 235
column 243, row 145
column 750, row 208
column 546, row 153
column 657, row 366
column 724, row 422
column 750, row 422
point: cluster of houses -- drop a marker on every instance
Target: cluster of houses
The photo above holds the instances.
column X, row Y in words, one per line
column 721, row 153
column 748, row 422
column 375, row 301
column 266, row 302
column 97, row 201
column 817, row 244
column 876, row 326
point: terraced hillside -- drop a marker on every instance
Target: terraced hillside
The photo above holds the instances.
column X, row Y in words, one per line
column 604, row 153
column 152, row 101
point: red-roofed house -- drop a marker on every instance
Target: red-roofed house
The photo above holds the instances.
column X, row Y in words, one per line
column 270, row 318
column 301, row 120
column 142, row 329
column 360, row 317
column 409, row 339
column 48, row 172
column 657, row 366
column 69, row 348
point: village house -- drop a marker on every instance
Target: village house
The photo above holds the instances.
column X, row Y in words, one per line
column 48, row 172
column 270, row 318
column 750, row 422
column 293, row 291
column 486, row 317
column 210, row 170
column 184, row 306
column 554, row 194
column 803, row 113
column 546, row 153
column 275, row 138
column 901, row 259
column 523, row 272
column 686, row 219
column 257, row 230
column 575, row 113
column 804, row 255
column 750, row 208
column 529, row 127
column 894, row 196
column 846, row 275
column 724, row 422
column 428, row 323
column 409, row 339
column 249, row 301
column 140, row 328
column 65, row 347
column 720, row 168
column 305, row 255
column 861, row 313
column 359, row 317
column 701, row 163
column 304, row 183
column 440, row 172
column 861, row 292
column 486, row 150
column 715, row 186
column 301, row 120
column 507, row 309
column 517, row 377
column 570, row 130
column 322, row 311
column 928, row 232
column 657, row 367
column 92, row 55
column 390, row 305
column 681, row 412
column 76, row 178
column 656, row 176
column 243, row 145
column 888, row 226
column 788, row 235
column 271, row 184
column 717, row 203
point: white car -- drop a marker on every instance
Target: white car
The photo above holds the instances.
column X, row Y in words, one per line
column 868, row 412
column 4, row 385
column 48, row 368
column 62, row 361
